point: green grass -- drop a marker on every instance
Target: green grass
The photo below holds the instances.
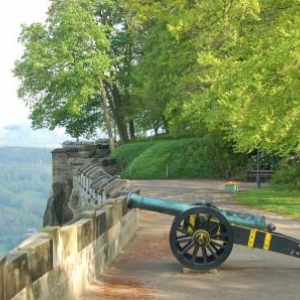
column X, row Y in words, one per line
column 282, row 202
column 177, row 158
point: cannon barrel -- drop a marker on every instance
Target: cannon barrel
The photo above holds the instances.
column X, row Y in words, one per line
column 174, row 208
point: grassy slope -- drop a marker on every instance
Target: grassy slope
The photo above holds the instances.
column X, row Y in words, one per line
column 183, row 158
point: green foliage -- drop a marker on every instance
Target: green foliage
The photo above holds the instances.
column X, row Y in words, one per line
column 62, row 68
column 190, row 157
column 266, row 161
column 287, row 176
column 282, row 202
column 25, row 186
column 228, row 67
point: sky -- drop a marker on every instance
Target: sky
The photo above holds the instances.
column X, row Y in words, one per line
column 13, row 13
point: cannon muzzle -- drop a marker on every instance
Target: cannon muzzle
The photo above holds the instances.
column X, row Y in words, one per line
column 174, row 208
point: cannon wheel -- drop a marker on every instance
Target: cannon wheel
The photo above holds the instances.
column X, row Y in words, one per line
column 201, row 238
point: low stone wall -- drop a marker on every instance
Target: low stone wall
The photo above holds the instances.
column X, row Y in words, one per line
column 59, row 262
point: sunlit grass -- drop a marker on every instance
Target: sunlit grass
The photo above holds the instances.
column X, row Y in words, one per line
column 282, row 202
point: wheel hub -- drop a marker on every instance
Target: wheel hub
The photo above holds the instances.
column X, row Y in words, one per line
column 201, row 238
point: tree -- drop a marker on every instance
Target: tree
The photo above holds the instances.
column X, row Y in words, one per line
column 111, row 13
column 166, row 72
column 216, row 67
column 254, row 78
column 235, row 65
column 63, row 68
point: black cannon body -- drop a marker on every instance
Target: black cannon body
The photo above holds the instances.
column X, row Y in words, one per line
column 202, row 235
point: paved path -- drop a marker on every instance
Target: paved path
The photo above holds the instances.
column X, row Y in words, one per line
column 148, row 270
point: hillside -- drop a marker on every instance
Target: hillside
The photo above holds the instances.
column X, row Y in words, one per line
column 25, row 185
column 179, row 158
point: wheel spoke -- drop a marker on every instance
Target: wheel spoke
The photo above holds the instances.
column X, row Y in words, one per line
column 195, row 252
column 182, row 239
column 204, row 254
column 222, row 235
column 211, row 229
column 207, row 222
column 214, row 254
column 217, row 246
column 182, row 230
column 186, row 248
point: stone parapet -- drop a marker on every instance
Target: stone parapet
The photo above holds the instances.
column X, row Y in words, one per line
column 59, row 262
column 95, row 224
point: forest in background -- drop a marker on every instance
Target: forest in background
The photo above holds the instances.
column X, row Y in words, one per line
column 224, row 68
column 25, row 186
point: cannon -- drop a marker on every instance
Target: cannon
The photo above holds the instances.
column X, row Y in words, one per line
column 202, row 235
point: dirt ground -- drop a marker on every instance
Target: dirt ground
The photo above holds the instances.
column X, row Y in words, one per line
column 146, row 269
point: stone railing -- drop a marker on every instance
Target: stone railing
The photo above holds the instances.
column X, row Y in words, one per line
column 59, row 262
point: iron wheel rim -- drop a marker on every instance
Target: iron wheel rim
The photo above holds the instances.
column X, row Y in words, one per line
column 204, row 243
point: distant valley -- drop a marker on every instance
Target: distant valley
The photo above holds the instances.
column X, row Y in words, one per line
column 25, row 186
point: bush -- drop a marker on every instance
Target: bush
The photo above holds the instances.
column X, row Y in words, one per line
column 287, row 177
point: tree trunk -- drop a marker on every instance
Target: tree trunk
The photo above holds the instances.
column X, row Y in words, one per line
column 116, row 102
column 107, row 116
column 131, row 130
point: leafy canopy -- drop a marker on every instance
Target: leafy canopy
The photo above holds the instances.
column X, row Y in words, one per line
column 227, row 67
column 220, row 67
column 62, row 67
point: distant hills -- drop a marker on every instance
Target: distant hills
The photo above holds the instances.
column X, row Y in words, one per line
column 25, row 186
column 22, row 135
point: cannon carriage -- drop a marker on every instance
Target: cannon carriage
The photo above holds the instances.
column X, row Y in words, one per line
column 202, row 235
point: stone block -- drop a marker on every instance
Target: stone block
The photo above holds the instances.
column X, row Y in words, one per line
column 40, row 256
column 100, row 242
column 68, row 242
column 117, row 211
column 53, row 232
column 100, row 222
column 114, row 185
column 120, row 209
column 64, row 242
column 98, row 183
column 101, row 260
column 85, row 233
column 129, row 225
column 88, row 214
column 16, row 275
column 109, row 211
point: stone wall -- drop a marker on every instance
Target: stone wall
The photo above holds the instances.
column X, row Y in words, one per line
column 59, row 262
column 91, row 206
column 69, row 167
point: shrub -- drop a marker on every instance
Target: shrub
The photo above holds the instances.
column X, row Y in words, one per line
column 287, row 177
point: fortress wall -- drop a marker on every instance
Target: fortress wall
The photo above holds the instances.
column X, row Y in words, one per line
column 59, row 262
